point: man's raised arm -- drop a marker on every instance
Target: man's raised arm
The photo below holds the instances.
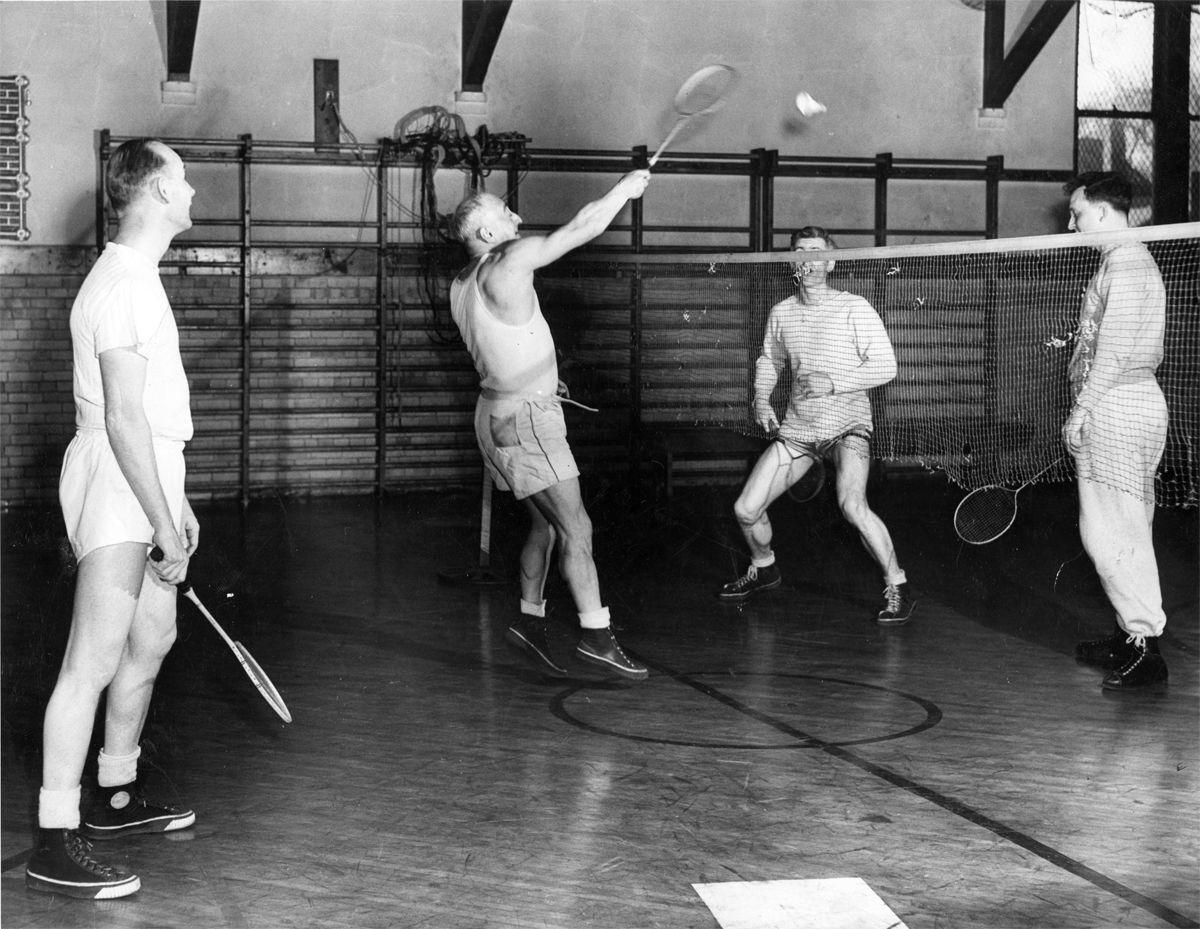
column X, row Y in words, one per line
column 536, row 252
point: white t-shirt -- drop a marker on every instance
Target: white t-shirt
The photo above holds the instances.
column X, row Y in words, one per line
column 121, row 304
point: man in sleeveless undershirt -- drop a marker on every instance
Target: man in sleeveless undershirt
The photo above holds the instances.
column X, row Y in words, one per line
column 519, row 422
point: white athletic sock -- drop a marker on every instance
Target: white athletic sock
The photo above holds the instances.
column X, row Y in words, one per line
column 596, row 619
column 117, row 770
column 765, row 561
column 896, row 579
column 58, row 809
column 533, row 609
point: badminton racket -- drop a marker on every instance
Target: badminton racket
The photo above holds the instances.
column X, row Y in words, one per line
column 252, row 668
column 699, row 94
column 987, row 513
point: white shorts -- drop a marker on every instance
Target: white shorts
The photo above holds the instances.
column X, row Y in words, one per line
column 98, row 505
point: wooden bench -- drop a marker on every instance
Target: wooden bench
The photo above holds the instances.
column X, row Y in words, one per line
column 665, row 446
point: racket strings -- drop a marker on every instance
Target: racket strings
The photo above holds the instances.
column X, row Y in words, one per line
column 985, row 513
column 704, row 91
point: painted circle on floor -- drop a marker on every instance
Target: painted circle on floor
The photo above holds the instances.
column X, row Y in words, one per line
column 760, row 711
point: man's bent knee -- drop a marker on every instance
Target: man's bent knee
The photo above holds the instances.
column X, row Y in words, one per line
column 855, row 509
column 748, row 514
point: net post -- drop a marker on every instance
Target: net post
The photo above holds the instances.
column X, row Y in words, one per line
column 769, row 166
column 757, row 176
column 883, row 170
column 995, row 169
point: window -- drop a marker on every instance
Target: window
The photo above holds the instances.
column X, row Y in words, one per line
column 1115, row 128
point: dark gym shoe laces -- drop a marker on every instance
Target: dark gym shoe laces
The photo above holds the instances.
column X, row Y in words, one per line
column 599, row 647
column 897, row 606
column 120, row 811
column 530, row 637
column 62, row 864
column 1144, row 670
column 1110, row 652
column 750, row 583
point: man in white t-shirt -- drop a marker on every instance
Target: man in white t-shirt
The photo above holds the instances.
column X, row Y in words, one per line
column 518, row 419
column 121, row 491
column 837, row 349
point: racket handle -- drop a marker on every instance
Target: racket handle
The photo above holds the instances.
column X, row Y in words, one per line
column 156, row 554
column 667, row 141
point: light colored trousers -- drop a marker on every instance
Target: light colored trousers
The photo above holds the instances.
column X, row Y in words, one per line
column 1116, row 529
column 1123, row 443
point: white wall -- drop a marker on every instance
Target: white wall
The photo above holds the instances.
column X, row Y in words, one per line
column 903, row 76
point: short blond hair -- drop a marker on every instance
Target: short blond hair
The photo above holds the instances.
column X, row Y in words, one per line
column 465, row 220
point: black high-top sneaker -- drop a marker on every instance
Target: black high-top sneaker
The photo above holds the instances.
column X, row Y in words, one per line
column 1143, row 670
column 62, row 864
column 600, row 647
column 529, row 634
column 1110, row 652
column 897, row 606
column 753, row 581
column 118, row 811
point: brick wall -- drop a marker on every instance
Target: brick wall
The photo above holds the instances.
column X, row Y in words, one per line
column 36, row 410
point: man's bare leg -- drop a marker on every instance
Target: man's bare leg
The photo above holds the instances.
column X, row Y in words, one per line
column 108, row 592
column 775, row 471
column 562, row 507
column 530, row 633
column 853, row 468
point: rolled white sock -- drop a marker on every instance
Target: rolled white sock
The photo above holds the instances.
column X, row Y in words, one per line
column 117, row 770
column 58, row 809
column 596, row 619
column 896, row 579
column 533, row 609
column 765, row 561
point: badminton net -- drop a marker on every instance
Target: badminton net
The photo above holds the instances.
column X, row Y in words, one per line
column 983, row 334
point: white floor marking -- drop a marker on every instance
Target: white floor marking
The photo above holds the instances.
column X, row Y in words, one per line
column 830, row 903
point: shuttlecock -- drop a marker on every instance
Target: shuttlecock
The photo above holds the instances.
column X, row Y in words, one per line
column 807, row 105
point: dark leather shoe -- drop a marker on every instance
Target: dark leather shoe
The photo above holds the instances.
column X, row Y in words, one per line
column 1145, row 670
column 1110, row 652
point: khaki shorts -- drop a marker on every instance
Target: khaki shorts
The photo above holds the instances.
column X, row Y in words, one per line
column 857, row 438
column 98, row 505
column 524, row 444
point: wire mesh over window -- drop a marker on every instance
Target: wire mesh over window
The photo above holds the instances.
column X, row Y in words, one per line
column 1116, row 55
column 1115, row 74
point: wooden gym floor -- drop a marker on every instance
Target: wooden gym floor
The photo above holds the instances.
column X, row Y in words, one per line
column 963, row 766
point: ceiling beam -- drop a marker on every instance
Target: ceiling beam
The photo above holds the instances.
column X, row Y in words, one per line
column 482, row 22
column 1002, row 73
column 182, row 16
